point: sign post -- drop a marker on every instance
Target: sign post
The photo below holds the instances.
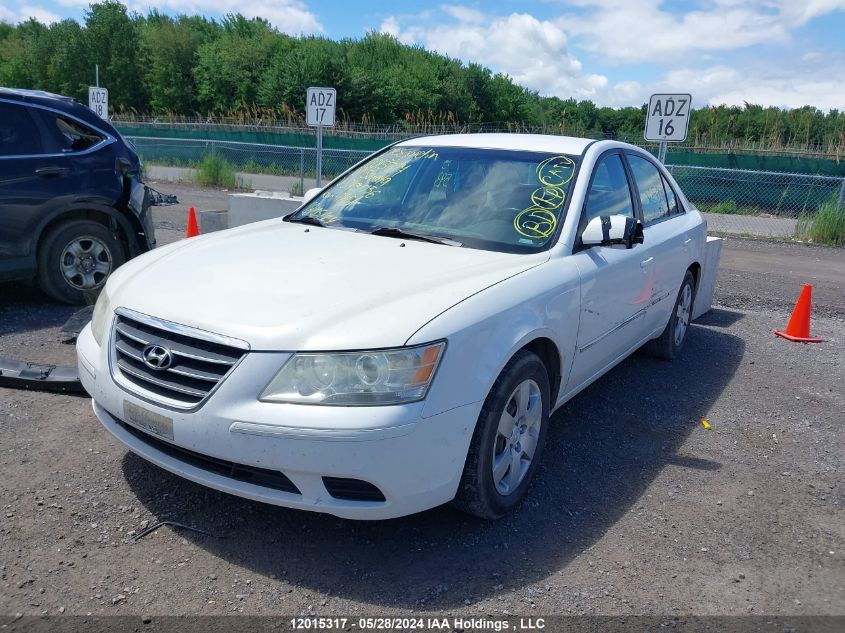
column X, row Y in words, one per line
column 98, row 101
column 667, row 120
column 320, row 106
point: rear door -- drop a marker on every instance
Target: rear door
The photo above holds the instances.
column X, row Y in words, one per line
column 614, row 280
column 664, row 230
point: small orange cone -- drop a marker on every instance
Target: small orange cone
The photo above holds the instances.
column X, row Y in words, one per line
column 193, row 229
column 798, row 328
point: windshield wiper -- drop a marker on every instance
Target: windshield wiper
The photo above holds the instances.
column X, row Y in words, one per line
column 306, row 219
column 392, row 231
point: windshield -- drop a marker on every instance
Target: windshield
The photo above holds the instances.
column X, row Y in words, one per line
column 501, row 200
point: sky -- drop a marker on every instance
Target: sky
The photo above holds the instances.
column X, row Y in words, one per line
column 785, row 53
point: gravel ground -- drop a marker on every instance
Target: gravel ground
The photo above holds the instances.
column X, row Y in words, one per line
column 636, row 509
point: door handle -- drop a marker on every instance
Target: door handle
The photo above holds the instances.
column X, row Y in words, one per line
column 52, row 170
column 646, row 262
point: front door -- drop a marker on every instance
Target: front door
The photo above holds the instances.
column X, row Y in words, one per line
column 614, row 280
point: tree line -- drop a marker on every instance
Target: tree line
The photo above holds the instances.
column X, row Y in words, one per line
column 190, row 65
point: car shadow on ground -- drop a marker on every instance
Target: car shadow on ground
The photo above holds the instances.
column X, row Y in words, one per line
column 24, row 308
column 604, row 449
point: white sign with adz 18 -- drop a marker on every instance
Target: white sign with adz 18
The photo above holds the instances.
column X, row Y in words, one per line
column 98, row 101
column 320, row 106
column 668, row 117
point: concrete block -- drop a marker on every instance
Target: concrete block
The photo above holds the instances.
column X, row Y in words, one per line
column 707, row 283
column 260, row 205
column 212, row 220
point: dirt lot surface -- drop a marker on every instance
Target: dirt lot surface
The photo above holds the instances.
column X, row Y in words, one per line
column 637, row 508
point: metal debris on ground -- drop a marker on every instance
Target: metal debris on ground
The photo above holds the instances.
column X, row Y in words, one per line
column 153, row 528
column 74, row 325
column 18, row 374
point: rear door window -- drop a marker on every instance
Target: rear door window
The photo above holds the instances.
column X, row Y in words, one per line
column 674, row 207
column 19, row 134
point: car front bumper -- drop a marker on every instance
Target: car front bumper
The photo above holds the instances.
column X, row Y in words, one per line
column 416, row 462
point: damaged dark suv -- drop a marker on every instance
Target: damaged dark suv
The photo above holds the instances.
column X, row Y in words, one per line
column 73, row 206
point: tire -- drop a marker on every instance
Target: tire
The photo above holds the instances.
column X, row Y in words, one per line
column 490, row 495
column 75, row 258
column 669, row 344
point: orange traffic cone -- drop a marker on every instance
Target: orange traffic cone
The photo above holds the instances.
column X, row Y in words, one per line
column 798, row 328
column 193, row 229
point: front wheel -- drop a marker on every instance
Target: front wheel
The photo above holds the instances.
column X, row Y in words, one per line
column 507, row 441
column 668, row 345
column 75, row 258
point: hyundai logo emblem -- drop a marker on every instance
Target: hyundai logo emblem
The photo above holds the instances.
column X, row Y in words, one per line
column 157, row 357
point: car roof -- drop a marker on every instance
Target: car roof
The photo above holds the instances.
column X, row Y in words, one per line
column 524, row 142
column 33, row 96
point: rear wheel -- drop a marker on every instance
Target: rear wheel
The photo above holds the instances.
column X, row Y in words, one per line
column 75, row 258
column 668, row 345
column 508, row 440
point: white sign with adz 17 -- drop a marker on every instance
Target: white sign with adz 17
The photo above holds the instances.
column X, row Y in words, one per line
column 320, row 106
column 98, row 101
column 668, row 117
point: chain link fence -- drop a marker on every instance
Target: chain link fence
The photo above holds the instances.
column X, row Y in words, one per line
column 762, row 203
column 734, row 201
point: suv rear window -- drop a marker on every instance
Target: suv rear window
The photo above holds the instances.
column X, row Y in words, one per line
column 19, row 135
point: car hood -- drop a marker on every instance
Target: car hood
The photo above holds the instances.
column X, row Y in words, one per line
column 283, row 286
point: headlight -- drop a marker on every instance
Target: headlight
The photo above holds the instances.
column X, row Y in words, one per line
column 378, row 377
column 102, row 317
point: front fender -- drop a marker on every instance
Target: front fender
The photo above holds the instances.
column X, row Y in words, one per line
column 487, row 329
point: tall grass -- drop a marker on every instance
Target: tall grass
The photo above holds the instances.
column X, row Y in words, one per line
column 216, row 171
column 725, row 206
column 825, row 226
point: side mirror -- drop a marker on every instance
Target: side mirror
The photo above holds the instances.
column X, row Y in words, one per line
column 609, row 230
column 308, row 195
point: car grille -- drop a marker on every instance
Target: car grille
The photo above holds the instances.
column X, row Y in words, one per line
column 198, row 364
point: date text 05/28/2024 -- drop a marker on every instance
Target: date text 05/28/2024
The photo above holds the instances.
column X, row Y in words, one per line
column 417, row 624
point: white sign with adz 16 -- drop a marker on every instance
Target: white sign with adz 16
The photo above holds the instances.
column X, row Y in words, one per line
column 98, row 101
column 320, row 106
column 668, row 117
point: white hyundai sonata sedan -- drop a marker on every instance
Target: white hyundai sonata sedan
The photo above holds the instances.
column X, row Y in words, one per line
column 401, row 340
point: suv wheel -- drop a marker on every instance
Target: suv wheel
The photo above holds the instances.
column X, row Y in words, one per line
column 75, row 258
column 508, row 440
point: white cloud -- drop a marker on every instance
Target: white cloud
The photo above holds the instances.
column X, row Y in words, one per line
column 464, row 14
column 289, row 16
column 531, row 51
column 644, row 31
column 692, row 47
column 813, row 84
column 24, row 11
